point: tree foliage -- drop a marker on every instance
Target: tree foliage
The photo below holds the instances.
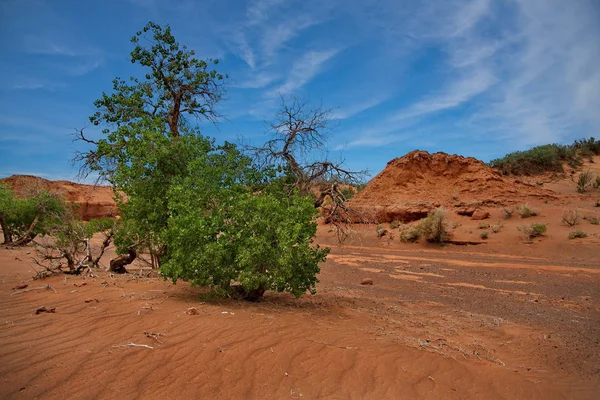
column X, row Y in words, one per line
column 22, row 219
column 235, row 229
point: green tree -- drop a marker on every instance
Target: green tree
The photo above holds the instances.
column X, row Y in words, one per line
column 147, row 138
column 22, row 219
column 204, row 212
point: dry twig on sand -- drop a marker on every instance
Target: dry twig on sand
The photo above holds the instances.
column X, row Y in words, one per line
column 154, row 336
column 134, row 345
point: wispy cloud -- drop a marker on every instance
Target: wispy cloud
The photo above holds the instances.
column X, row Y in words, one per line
column 32, row 83
column 358, row 107
column 458, row 92
column 53, row 46
column 303, row 70
column 84, row 67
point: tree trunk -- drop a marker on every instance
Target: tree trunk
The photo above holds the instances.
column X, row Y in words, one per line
column 105, row 244
column 5, row 231
column 238, row 291
column 29, row 235
column 118, row 264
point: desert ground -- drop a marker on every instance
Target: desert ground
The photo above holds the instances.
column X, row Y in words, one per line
column 505, row 317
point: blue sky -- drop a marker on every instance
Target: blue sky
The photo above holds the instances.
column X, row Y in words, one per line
column 472, row 77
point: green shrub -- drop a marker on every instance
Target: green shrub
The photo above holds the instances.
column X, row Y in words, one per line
column 410, row 235
column 534, row 230
column 395, row 224
column 577, row 234
column 483, row 225
column 593, row 219
column 598, row 181
column 587, row 146
column 548, row 157
column 434, row 227
column 380, row 230
column 263, row 241
column 584, row 181
column 570, row 217
column 534, row 161
column 526, row 211
column 484, row 235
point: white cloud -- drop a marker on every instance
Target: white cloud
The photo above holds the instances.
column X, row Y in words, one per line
column 357, row 108
column 458, row 92
column 32, row 83
column 304, row 70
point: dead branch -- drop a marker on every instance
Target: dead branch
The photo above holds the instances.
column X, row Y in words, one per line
column 134, row 345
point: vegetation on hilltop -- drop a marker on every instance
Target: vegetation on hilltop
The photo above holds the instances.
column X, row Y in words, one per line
column 548, row 157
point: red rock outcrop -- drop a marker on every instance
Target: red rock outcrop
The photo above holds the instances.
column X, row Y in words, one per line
column 92, row 201
column 413, row 185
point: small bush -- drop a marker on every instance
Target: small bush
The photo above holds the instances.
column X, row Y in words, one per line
column 508, row 212
column 593, row 219
column 597, row 181
column 484, row 235
column 381, row 231
column 395, row 224
column 496, row 227
column 570, row 217
column 533, row 230
column 410, row 235
column 434, row 227
column 455, row 224
column 577, row 234
column 526, row 211
column 584, row 181
column 483, row 225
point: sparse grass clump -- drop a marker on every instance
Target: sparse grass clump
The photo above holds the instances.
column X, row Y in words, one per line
column 380, row 230
column 584, row 181
column 434, row 227
column 484, row 235
column 534, row 230
column 526, row 211
column 496, row 227
column 483, row 225
column 410, row 235
column 395, row 224
column 570, row 217
column 508, row 212
column 577, row 234
column 592, row 219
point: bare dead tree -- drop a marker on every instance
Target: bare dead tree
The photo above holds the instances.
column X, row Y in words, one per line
column 299, row 146
column 68, row 248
